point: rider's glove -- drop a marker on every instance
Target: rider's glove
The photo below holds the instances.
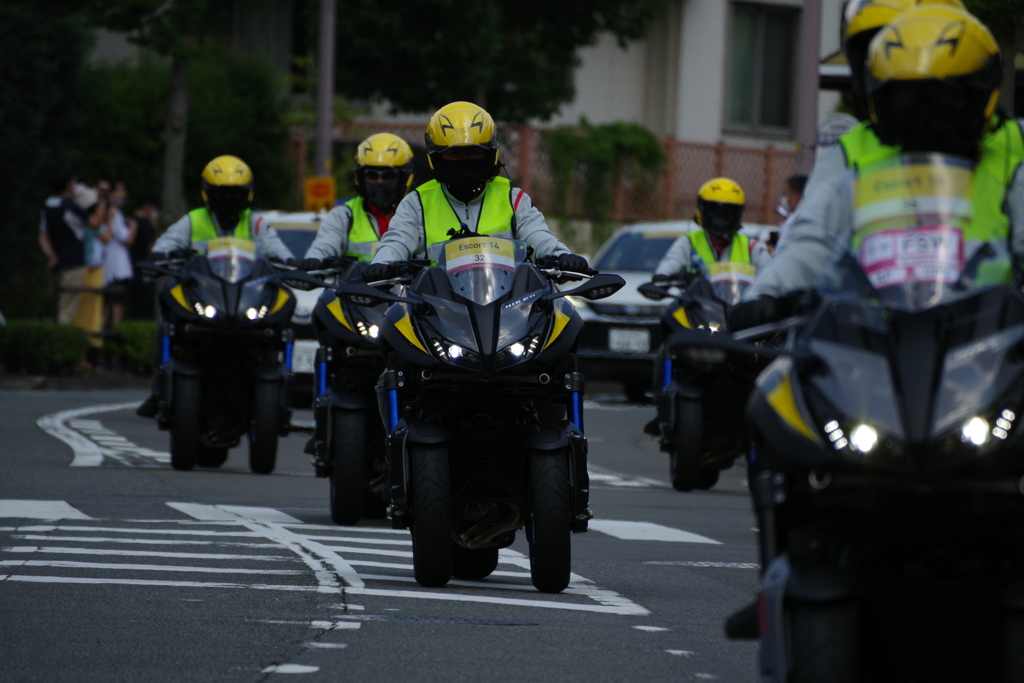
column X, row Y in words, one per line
column 572, row 263
column 660, row 277
column 378, row 271
column 763, row 310
column 158, row 256
column 309, row 264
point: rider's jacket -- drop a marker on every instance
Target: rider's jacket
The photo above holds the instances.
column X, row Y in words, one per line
column 348, row 230
column 824, row 222
column 424, row 217
column 198, row 227
column 682, row 255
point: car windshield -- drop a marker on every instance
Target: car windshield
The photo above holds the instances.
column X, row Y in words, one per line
column 912, row 247
column 230, row 258
column 296, row 236
column 636, row 251
column 481, row 268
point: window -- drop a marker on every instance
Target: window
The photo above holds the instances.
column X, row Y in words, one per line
column 762, row 50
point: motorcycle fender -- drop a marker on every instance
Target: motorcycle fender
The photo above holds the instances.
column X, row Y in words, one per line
column 426, row 434
column 580, row 479
column 321, row 433
column 774, row 648
column 348, row 401
column 686, row 391
column 397, row 489
column 549, row 439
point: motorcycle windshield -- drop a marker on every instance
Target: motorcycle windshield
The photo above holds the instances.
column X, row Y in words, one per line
column 482, row 268
column 912, row 246
column 730, row 280
column 231, row 259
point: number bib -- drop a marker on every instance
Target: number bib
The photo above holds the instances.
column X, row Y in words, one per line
column 730, row 279
column 467, row 254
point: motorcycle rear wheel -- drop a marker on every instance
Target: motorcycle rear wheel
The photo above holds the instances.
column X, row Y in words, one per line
column 266, row 427
column 550, row 513
column 432, row 514
column 187, row 422
column 347, row 472
column 473, row 564
column 687, row 445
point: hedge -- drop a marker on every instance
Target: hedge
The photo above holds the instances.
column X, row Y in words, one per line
column 40, row 347
column 134, row 344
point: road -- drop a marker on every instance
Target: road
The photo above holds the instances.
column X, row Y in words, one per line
column 117, row 568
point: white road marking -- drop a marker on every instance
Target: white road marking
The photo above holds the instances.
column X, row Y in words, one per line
column 325, row 646
column 457, row 597
column 67, row 564
column 408, row 567
column 345, row 539
column 206, row 513
column 714, row 565
column 600, row 475
column 705, row 677
column 351, row 529
column 482, row 583
column 290, row 669
column 318, row 623
column 87, row 453
column 647, row 531
column 372, row 551
column 651, row 629
column 231, row 513
column 120, row 530
column 680, row 653
column 40, row 509
column 141, row 541
column 56, row 550
column 35, row 578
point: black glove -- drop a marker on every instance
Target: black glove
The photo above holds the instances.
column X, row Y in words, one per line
column 378, row 271
column 307, row 264
column 158, row 256
column 573, row 263
column 660, row 277
column 763, row 310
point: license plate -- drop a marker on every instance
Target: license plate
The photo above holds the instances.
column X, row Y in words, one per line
column 304, row 356
column 631, row 340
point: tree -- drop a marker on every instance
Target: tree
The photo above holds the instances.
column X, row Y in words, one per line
column 512, row 58
column 1005, row 18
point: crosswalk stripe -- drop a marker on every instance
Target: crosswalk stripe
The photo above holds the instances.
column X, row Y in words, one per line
column 647, row 531
column 121, row 530
column 40, row 509
column 54, row 550
column 345, row 539
column 67, row 564
column 140, row 541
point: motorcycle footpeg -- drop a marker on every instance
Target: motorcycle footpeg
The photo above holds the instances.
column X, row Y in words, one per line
column 581, row 522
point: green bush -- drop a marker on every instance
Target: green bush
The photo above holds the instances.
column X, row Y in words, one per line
column 39, row 347
column 134, row 344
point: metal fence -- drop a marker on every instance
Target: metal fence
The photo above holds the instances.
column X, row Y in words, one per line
column 761, row 172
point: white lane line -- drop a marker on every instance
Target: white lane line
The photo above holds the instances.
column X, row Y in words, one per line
column 319, row 624
column 206, row 513
column 680, row 653
column 371, row 551
column 483, row 583
column 351, row 529
column 258, row 514
column 119, row 530
column 457, row 597
column 619, row 479
column 58, row 550
column 290, row 669
column 408, row 567
column 87, row 452
column 40, row 509
column 67, row 564
column 324, row 646
column 714, row 565
column 647, row 531
column 650, row 629
column 140, row 541
column 35, row 578
column 345, row 539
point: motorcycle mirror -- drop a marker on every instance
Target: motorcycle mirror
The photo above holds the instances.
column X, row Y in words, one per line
column 301, row 280
column 148, row 269
column 653, row 291
column 598, row 287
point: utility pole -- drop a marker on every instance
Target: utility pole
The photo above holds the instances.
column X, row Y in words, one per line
column 325, row 90
column 807, row 107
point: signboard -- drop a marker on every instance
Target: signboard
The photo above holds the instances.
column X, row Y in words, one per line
column 320, row 194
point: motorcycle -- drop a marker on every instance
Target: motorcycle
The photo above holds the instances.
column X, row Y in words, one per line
column 888, row 465
column 702, row 391
column 225, row 353
column 481, row 374
column 348, row 438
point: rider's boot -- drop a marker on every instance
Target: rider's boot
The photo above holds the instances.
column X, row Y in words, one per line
column 148, row 408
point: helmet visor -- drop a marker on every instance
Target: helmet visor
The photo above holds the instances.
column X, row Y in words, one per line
column 721, row 218
column 227, row 200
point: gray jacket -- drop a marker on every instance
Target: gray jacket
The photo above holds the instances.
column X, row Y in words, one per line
column 179, row 236
column 677, row 258
column 332, row 237
column 406, row 240
column 823, row 225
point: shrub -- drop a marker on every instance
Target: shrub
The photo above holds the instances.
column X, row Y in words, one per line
column 40, row 347
column 134, row 344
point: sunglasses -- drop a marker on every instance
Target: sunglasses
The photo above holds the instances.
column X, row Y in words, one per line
column 380, row 174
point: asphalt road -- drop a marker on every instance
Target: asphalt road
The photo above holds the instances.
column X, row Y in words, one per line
column 121, row 569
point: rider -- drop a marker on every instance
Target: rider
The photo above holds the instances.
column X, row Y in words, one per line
column 720, row 204
column 383, row 176
column 227, row 194
column 933, row 76
column 462, row 150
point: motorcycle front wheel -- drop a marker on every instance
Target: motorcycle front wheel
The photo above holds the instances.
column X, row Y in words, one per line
column 550, row 514
column 266, row 427
column 347, row 469
column 186, row 423
column 687, row 445
column 431, row 514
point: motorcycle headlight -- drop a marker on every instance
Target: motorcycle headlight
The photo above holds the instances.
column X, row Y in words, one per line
column 368, row 331
column 450, row 352
column 518, row 352
column 207, row 311
column 253, row 313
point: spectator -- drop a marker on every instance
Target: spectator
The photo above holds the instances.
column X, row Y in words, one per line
column 143, row 294
column 62, row 231
column 792, row 194
column 90, row 303
column 117, row 261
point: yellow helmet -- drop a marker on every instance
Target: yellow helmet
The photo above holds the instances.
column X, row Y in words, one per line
column 861, row 21
column 227, row 188
column 720, row 204
column 462, row 124
column 933, row 81
column 387, row 159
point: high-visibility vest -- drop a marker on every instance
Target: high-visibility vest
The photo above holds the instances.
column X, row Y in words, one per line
column 203, row 229
column 362, row 238
column 497, row 215
column 739, row 250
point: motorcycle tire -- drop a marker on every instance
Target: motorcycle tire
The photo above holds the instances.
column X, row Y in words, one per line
column 549, row 516
column 707, row 477
column 1013, row 647
column 824, row 643
column 687, row 445
column 348, row 478
column 211, row 457
column 431, row 514
column 266, row 427
column 473, row 565
column 186, row 423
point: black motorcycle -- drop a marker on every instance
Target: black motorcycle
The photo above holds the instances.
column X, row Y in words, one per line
column 348, row 439
column 481, row 375
column 887, row 475
column 225, row 347
column 702, row 391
